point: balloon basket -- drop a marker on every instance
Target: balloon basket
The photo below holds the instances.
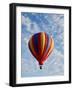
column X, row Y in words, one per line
column 40, row 66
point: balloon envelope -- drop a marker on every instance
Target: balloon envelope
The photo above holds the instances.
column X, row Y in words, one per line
column 41, row 46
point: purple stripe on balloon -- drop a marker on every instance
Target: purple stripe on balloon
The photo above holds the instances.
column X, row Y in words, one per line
column 35, row 43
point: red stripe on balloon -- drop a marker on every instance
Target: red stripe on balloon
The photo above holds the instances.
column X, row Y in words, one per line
column 47, row 49
column 39, row 45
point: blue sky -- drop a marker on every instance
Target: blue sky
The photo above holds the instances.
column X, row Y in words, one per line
column 52, row 24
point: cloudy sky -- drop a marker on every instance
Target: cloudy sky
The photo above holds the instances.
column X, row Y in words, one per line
column 52, row 24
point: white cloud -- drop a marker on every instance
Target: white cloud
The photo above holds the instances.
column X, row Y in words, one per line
column 32, row 27
column 26, row 41
column 25, row 20
column 58, row 20
column 35, row 27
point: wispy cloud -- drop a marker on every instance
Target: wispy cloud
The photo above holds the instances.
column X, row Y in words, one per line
column 32, row 27
column 26, row 41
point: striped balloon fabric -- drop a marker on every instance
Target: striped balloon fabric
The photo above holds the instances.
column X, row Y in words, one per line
column 41, row 46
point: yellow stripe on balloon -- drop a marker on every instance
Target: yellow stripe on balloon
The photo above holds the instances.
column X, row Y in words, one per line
column 42, row 42
column 52, row 46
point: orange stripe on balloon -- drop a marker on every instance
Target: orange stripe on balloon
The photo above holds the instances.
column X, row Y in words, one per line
column 43, row 42
column 45, row 45
column 52, row 46
column 41, row 39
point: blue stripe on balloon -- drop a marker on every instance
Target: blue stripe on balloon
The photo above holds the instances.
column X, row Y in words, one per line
column 36, row 43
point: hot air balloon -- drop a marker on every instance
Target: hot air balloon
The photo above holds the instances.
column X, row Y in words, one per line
column 41, row 46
